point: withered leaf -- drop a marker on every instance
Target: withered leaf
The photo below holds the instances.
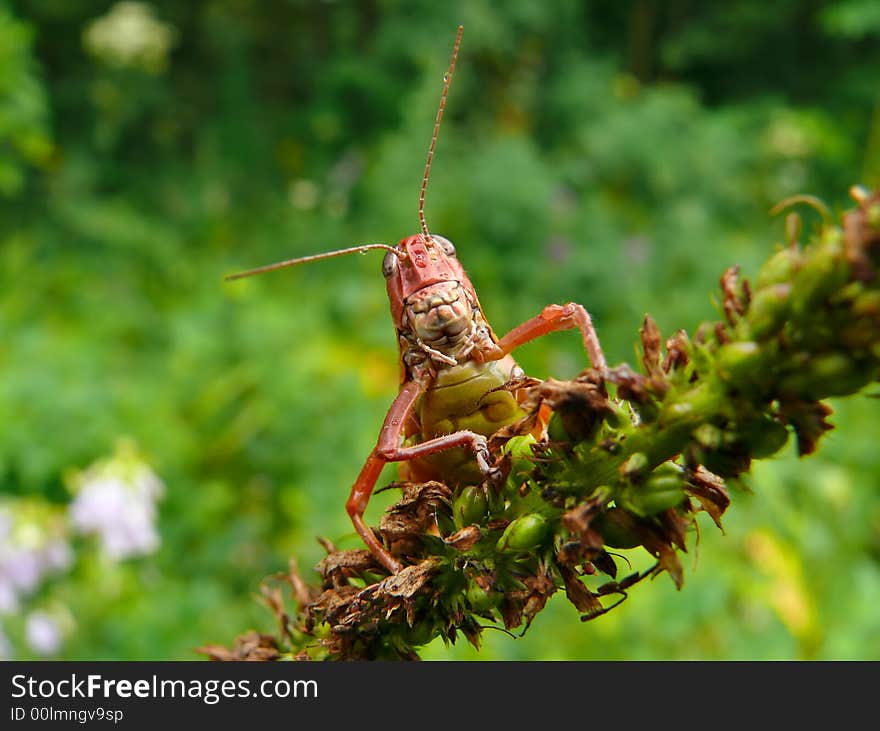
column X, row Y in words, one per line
column 519, row 428
column 733, row 304
column 668, row 561
column 677, row 348
column 650, row 337
column 406, row 582
column 302, row 592
column 710, row 490
column 631, row 386
column 809, row 421
column 859, row 237
column 358, row 560
column 464, row 539
column 471, row 631
column 675, row 527
column 578, row 593
column 415, row 513
column 540, row 588
column 512, row 609
column 605, row 562
column 251, row 646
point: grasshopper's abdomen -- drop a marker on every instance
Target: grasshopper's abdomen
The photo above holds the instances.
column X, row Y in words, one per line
column 465, row 396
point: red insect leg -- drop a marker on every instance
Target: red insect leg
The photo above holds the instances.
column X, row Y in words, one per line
column 389, row 449
column 554, row 318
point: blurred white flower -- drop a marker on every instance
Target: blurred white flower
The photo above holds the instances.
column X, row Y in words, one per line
column 116, row 500
column 43, row 633
column 130, row 35
column 31, row 547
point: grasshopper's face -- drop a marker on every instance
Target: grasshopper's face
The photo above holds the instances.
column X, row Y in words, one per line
column 424, row 275
column 440, row 315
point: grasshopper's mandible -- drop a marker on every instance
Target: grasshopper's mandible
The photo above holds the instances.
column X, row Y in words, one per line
column 452, row 364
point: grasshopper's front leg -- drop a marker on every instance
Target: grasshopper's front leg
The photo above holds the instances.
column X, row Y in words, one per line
column 552, row 318
column 389, row 449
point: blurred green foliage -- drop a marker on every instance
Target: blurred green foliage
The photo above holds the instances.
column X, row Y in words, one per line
column 617, row 155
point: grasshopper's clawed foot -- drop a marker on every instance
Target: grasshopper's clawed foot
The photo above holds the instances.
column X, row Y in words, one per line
column 492, row 474
column 493, row 478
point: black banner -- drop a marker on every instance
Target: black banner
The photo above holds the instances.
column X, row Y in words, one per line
column 125, row 695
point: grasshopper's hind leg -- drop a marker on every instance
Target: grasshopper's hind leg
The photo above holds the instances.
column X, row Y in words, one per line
column 389, row 449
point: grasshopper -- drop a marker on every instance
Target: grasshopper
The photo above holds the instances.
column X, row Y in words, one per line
column 453, row 367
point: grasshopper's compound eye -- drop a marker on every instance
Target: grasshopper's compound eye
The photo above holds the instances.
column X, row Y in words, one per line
column 445, row 244
column 389, row 264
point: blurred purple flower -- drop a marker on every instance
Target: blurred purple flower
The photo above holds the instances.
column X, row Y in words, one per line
column 43, row 634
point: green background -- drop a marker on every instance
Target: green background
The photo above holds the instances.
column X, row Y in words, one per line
column 621, row 155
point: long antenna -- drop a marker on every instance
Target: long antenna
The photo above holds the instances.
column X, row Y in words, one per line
column 447, row 79
column 306, row 259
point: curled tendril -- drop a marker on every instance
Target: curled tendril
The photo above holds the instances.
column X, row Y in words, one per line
column 810, row 200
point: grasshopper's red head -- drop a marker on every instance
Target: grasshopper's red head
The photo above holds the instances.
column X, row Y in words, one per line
column 417, row 263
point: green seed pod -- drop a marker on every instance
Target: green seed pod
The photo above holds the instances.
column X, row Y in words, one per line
column 663, row 489
column 834, row 374
column 636, row 465
column 768, row 311
column 523, row 533
column 617, row 415
column 481, row 599
column 726, row 462
column 615, row 528
column 647, row 410
column 781, row 267
column 520, row 450
column 764, row 437
column 740, row 362
column 822, row 273
column 470, row 506
column 421, row 633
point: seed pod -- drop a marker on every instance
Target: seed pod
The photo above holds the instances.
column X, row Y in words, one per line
column 662, row 489
column 481, row 599
column 470, row 506
column 523, row 533
column 781, row 267
column 616, row 529
column 768, row 311
column 764, row 436
column 520, row 450
column 740, row 362
column 823, row 272
column 636, row 466
column 834, row 374
column 421, row 633
column 726, row 463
